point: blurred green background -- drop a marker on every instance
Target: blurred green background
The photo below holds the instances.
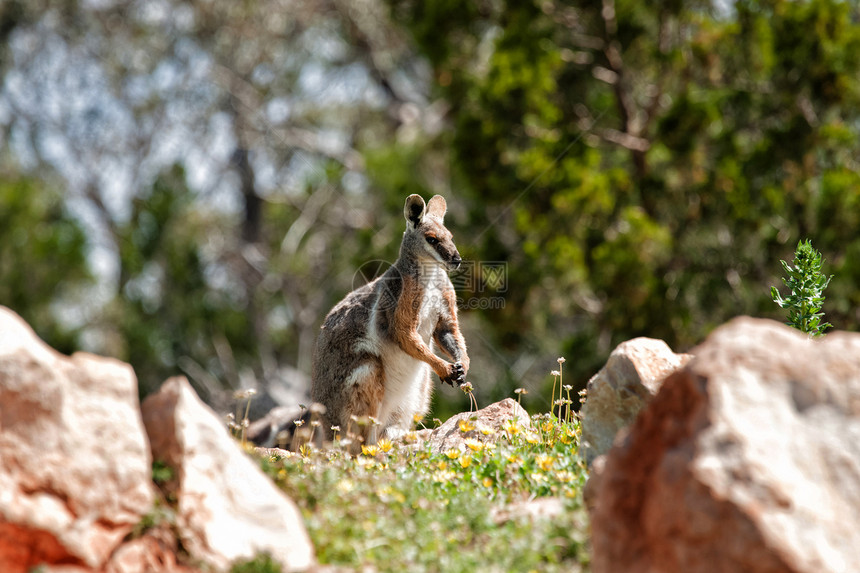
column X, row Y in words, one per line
column 190, row 186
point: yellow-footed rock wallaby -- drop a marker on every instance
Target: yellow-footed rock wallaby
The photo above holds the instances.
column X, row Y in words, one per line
column 375, row 350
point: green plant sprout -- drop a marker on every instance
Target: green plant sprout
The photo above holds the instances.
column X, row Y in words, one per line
column 807, row 286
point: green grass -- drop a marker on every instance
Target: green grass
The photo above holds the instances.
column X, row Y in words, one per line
column 397, row 509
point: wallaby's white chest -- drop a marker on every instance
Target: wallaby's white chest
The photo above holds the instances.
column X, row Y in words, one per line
column 431, row 301
column 406, row 376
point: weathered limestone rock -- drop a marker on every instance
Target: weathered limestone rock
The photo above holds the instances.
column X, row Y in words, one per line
column 153, row 552
column 275, row 429
column 227, row 508
column 747, row 460
column 631, row 377
column 492, row 418
column 74, row 460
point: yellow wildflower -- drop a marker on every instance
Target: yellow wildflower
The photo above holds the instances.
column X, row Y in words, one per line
column 474, row 445
column 370, row 450
column 385, row 445
column 544, row 461
column 511, row 427
column 567, row 437
column 452, row 454
column 486, row 430
column 466, row 426
column 465, row 461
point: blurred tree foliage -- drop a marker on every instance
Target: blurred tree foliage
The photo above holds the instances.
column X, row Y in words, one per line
column 42, row 257
column 641, row 167
column 168, row 319
column 212, row 150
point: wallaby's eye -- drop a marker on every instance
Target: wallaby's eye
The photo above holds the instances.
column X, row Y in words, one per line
column 433, row 240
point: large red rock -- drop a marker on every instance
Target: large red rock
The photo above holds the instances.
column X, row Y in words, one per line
column 227, row 509
column 74, row 459
column 747, row 460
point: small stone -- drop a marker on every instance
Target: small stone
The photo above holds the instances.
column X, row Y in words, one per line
column 631, row 377
column 485, row 425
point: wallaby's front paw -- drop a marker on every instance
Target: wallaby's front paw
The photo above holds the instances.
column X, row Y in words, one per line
column 456, row 374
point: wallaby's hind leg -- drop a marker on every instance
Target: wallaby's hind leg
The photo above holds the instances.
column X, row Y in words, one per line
column 366, row 392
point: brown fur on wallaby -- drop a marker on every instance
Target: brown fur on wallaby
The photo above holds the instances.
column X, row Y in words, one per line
column 375, row 351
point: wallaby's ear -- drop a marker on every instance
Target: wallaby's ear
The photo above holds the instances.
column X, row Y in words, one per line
column 437, row 206
column 414, row 209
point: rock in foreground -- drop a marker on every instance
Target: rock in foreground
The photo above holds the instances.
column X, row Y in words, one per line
column 227, row 508
column 748, row 460
column 74, row 460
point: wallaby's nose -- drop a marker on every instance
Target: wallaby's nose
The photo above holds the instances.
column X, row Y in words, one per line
column 455, row 261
